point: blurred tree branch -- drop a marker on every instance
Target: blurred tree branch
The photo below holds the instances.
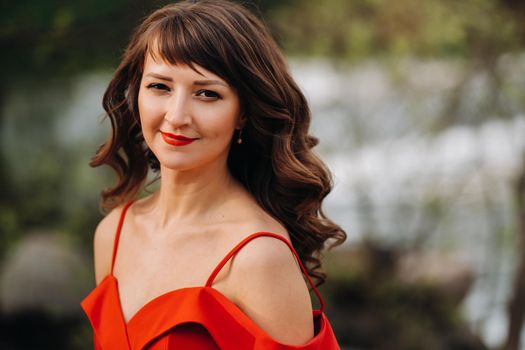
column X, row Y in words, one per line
column 516, row 306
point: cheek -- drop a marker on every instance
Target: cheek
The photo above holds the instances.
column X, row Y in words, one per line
column 220, row 126
column 147, row 116
column 222, row 120
column 140, row 105
column 148, row 111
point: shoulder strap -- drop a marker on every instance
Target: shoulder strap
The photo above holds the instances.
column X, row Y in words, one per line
column 117, row 235
column 249, row 238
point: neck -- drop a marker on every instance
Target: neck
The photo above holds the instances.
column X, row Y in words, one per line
column 195, row 195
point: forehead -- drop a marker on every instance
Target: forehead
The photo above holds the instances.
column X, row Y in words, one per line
column 155, row 63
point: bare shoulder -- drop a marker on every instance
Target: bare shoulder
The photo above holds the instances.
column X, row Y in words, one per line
column 103, row 241
column 271, row 290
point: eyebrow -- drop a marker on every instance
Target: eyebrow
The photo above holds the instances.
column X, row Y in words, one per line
column 196, row 82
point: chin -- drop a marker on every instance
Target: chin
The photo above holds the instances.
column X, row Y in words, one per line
column 174, row 164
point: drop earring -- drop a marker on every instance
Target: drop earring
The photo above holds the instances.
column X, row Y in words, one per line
column 239, row 139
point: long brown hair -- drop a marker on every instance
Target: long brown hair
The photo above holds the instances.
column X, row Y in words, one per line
column 275, row 162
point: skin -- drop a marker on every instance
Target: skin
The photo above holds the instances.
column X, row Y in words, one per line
column 176, row 236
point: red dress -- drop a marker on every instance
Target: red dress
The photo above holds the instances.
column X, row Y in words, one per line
column 193, row 318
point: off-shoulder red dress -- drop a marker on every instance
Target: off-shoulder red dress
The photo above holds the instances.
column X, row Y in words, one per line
column 193, row 318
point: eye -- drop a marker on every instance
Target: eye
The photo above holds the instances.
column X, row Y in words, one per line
column 158, row 86
column 211, row 93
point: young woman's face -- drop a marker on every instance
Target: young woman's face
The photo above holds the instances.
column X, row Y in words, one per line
column 174, row 100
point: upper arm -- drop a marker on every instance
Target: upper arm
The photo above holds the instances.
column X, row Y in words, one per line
column 271, row 290
column 103, row 241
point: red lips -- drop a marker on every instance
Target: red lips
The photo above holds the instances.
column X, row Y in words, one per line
column 176, row 140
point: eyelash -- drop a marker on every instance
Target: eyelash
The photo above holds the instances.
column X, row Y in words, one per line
column 157, row 86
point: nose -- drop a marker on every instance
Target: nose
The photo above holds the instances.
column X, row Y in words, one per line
column 178, row 110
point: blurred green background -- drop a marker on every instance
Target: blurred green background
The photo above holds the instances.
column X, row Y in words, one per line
column 419, row 106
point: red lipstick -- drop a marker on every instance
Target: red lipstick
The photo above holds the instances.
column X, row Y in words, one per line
column 176, row 140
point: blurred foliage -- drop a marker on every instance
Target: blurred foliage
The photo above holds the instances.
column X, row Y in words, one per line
column 371, row 305
column 354, row 29
column 63, row 37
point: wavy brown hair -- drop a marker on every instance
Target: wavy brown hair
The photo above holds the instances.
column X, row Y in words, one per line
column 275, row 162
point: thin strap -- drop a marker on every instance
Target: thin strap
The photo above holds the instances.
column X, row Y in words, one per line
column 249, row 238
column 117, row 235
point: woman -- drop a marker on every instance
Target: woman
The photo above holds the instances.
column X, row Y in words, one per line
column 213, row 259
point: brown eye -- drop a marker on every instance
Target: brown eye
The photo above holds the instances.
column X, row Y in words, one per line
column 211, row 94
column 158, row 86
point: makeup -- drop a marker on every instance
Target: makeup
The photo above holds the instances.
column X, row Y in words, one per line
column 176, row 140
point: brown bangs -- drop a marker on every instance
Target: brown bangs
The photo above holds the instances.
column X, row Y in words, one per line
column 175, row 40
